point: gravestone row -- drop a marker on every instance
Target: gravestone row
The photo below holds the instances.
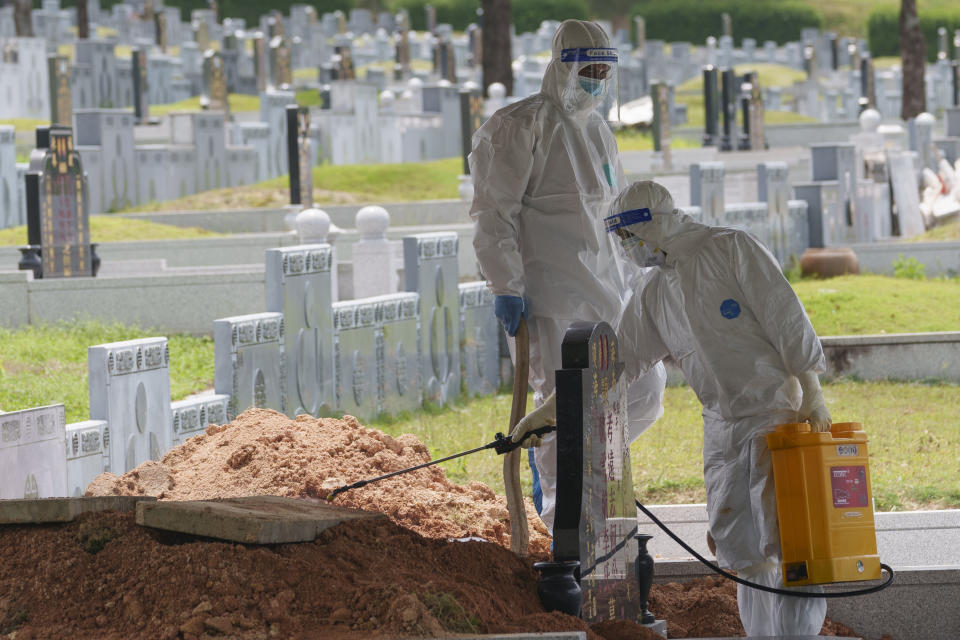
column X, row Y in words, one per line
column 365, row 357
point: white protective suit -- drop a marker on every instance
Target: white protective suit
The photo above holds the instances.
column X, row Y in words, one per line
column 721, row 308
column 545, row 170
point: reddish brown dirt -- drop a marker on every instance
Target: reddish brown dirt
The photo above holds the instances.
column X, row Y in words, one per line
column 263, row 452
column 104, row 577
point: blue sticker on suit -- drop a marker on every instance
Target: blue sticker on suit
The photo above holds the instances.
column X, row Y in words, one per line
column 730, row 308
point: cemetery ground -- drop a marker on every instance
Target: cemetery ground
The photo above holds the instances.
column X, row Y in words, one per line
column 914, row 434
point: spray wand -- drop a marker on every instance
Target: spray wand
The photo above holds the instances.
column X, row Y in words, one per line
column 501, row 444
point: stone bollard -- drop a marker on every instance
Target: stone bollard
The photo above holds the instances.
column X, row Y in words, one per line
column 374, row 264
column 312, row 226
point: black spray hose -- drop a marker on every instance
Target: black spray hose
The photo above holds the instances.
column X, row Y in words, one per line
column 753, row 585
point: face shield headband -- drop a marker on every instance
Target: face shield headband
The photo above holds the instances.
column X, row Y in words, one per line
column 619, row 222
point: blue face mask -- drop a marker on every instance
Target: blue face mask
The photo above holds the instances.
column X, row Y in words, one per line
column 593, row 86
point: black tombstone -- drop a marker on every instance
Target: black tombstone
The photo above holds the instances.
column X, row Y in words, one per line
column 711, row 106
column 596, row 518
column 58, row 211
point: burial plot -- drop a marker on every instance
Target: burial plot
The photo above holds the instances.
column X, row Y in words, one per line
column 88, row 454
column 596, row 519
column 129, row 388
column 32, row 462
column 479, row 339
column 61, row 103
column 300, row 156
column 824, row 211
column 838, row 162
column 299, row 286
column 58, row 210
column 249, row 361
column 355, row 357
column 706, row 191
column 431, row 269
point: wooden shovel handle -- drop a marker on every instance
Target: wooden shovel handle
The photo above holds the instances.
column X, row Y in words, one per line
column 519, row 531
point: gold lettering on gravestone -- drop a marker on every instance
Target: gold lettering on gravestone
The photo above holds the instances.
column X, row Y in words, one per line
column 63, row 216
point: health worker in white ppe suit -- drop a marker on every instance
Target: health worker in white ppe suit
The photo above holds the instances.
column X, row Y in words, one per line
column 718, row 304
column 545, row 170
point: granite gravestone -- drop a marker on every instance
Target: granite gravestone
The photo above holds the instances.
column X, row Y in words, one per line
column 755, row 112
column 596, row 519
column 398, row 358
column 191, row 417
column 431, row 269
column 773, row 186
column 706, row 191
column 661, row 122
column 10, row 205
column 249, row 361
column 215, row 96
column 300, row 156
column 58, row 211
column 261, row 62
column 61, row 102
column 823, row 211
column 160, row 30
column 838, row 162
column 355, row 357
column 130, row 389
column 32, row 464
column 87, row 454
column 141, row 95
column 281, row 75
column 711, row 107
column 471, row 119
column 906, row 193
column 300, row 287
column 479, row 339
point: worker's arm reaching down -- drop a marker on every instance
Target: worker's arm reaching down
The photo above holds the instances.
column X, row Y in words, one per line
column 545, row 414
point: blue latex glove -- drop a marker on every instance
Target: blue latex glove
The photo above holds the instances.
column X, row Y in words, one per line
column 508, row 310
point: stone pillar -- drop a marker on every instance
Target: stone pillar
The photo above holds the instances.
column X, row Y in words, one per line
column 374, row 265
column 711, row 107
column 248, row 356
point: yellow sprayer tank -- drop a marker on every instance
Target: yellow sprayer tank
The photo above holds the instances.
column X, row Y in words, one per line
column 824, row 504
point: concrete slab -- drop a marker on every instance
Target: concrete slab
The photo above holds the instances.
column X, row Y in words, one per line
column 63, row 509
column 251, row 520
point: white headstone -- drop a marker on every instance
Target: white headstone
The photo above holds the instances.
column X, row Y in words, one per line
column 32, row 461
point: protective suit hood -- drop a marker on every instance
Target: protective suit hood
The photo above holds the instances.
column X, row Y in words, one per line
column 560, row 80
column 665, row 227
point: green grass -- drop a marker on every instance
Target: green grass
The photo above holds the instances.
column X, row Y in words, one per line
column 238, row 102
column 41, row 365
column 633, row 139
column 914, row 440
column 949, row 230
column 106, row 228
column 334, row 184
column 849, row 17
column 25, row 124
column 870, row 304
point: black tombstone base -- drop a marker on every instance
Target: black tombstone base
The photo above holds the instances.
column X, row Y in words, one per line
column 30, row 260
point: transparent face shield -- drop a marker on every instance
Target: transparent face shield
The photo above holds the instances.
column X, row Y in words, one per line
column 625, row 230
column 592, row 81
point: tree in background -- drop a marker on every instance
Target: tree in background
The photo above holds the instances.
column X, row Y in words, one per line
column 83, row 20
column 497, row 58
column 21, row 18
column 913, row 54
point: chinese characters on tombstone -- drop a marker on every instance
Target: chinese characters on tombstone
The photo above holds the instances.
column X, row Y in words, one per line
column 58, row 218
column 596, row 520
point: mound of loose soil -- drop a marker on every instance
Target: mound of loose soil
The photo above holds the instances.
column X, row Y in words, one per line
column 263, row 452
column 104, row 577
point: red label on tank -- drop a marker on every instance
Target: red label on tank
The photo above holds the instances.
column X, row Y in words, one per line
column 849, row 486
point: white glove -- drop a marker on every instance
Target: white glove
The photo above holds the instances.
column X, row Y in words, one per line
column 812, row 408
column 545, row 414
